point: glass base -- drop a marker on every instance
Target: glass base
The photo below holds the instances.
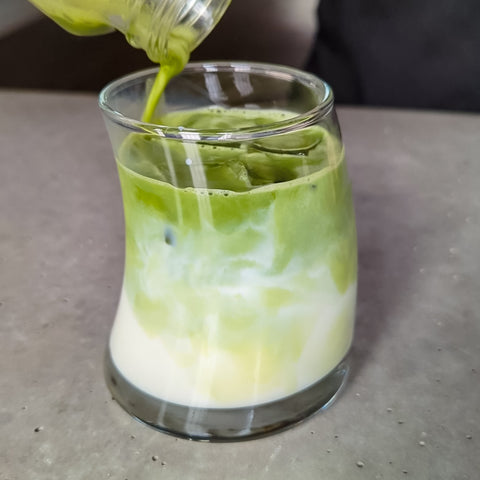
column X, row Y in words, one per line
column 225, row 424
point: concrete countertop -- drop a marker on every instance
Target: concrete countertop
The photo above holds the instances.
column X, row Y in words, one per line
column 412, row 406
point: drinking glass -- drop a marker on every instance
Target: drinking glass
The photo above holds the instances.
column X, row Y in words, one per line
column 237, row 308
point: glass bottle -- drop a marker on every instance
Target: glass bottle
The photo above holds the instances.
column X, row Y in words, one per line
column 160, row 27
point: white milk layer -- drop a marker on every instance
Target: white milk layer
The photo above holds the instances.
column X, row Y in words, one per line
column 204, row 372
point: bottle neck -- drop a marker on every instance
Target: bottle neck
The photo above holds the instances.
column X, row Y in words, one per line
column 202, row 16
column 168, row 30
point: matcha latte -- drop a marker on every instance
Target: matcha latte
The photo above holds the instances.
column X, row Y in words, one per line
column 240, row 271
column 240, row 264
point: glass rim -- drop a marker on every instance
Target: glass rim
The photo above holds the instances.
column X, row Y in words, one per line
column 291, row 124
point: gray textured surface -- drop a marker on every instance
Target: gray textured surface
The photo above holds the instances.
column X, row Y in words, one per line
column 412, row 407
